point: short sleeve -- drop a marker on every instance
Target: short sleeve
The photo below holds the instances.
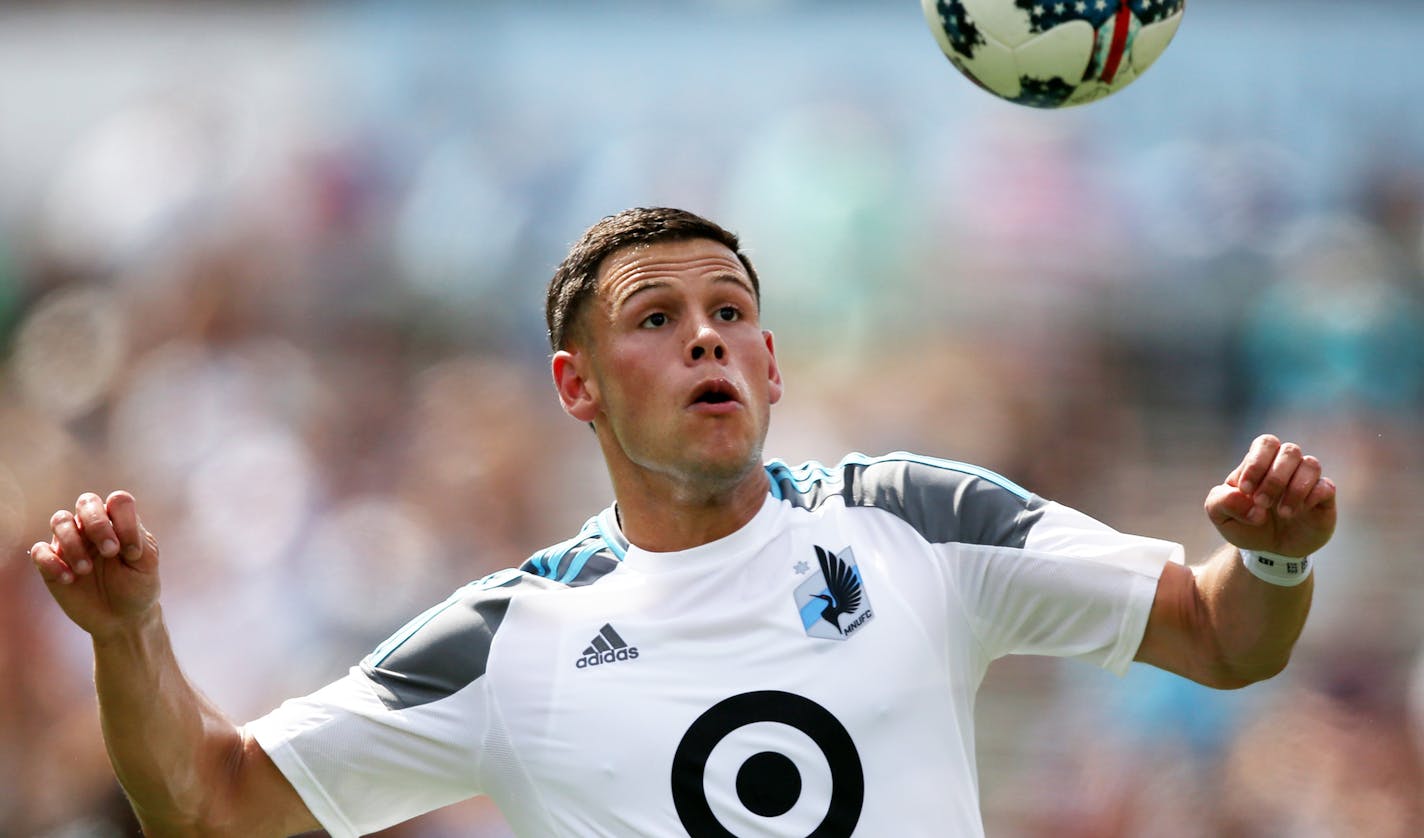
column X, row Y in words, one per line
column 402, row 733
column 361, row 766
column 1076, row 588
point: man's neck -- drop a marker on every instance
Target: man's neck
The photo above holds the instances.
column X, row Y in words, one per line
column 662, row 517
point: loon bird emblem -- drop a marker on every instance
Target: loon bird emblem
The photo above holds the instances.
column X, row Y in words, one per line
column 843, row 588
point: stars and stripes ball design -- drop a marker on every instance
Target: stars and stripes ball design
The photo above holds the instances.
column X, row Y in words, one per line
column 1053, row 53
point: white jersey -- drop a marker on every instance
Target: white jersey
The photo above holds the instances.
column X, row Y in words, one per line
column 813, row 673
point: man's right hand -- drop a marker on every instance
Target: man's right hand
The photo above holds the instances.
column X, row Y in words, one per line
column 101, row 565
column 187, row 768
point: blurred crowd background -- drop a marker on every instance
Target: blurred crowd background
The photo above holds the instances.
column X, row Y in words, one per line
column 278, row 269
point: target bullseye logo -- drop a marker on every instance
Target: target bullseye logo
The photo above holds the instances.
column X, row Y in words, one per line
column 768, row 783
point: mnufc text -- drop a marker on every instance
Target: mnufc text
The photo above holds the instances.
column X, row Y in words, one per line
column 858, row 622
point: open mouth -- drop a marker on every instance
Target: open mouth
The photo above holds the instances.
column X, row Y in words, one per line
column 715, row 392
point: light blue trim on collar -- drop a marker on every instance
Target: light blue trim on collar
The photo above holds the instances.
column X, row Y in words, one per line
column 608, row 529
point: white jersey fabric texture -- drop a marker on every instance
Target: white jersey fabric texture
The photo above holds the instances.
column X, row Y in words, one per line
column 813, row 673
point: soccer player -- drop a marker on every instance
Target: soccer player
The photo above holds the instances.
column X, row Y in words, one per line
column 733, row 647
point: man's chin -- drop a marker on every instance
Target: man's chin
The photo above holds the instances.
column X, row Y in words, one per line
column 723, row 468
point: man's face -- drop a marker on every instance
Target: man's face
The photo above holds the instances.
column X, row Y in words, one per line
column 671, row 365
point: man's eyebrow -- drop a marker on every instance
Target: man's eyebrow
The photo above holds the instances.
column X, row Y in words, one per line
column 621, row 301
column 736, row 279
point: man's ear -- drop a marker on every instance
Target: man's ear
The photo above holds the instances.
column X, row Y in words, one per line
column 773, row 372
column 577, row 392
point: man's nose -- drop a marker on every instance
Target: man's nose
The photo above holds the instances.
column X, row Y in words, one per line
column 706, row 342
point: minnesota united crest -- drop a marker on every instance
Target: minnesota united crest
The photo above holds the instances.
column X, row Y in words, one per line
column 833, row 603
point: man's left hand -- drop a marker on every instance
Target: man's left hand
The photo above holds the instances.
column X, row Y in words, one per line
column 1276, row 501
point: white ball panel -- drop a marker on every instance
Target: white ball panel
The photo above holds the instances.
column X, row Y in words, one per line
column 999, row 19
column 1063, row 51
column 1152, row 41
column 995, row 68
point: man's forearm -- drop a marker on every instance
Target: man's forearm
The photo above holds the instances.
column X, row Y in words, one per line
column 167, row 742
column 1256, row 623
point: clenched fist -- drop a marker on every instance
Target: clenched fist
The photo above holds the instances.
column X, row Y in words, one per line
column 1277, row 500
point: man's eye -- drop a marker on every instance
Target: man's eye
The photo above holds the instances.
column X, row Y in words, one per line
column 655, row 320
column 728, row 314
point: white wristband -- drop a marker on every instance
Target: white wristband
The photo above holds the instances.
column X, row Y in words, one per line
column 1286, row 571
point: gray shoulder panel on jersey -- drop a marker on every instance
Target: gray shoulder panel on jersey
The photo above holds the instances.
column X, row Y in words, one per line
column 944, row 501
column 447, row 648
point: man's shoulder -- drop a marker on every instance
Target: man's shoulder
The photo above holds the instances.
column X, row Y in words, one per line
column 448, row 647
column 445, row 649
column 596, row 551
column 888, row 478
column 944, row 500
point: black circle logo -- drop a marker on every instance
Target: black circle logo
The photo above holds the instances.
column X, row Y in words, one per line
column 768, row 783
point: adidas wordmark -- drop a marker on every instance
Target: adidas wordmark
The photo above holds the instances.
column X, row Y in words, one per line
column 606, row 647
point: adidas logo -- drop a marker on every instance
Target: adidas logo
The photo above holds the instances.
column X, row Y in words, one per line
column 607, row 647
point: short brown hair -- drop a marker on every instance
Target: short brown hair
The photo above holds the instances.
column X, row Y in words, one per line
column 576, row 280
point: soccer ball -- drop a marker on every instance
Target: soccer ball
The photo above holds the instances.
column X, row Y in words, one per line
column 1053, row 53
